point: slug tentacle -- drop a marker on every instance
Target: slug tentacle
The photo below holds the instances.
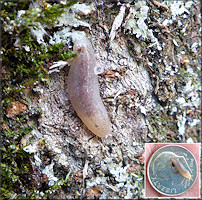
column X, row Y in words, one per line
column 83, row 89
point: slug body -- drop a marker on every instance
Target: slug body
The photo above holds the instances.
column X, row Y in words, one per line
column 180, row 167
column 84, row 92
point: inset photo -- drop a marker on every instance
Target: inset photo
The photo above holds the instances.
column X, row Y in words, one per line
column 172, row 170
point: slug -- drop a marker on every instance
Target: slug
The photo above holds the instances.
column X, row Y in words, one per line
column 180, row 167
column 83, row 89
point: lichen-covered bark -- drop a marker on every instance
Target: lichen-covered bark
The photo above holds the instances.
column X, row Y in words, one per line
column 150, row 88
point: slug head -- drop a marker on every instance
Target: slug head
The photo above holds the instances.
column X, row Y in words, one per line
column 82, row 46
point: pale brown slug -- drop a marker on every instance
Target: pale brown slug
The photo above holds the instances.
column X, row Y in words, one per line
column 83, row 89
column 180, row 167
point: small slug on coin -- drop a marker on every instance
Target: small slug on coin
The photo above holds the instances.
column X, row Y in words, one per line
column 83, row 89
column 180, row 167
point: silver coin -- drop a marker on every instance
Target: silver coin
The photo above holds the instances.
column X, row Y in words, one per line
column 163, row 174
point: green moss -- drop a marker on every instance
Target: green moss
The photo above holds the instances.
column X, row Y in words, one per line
column 58, row 51
column 50, row 14
column 29, row 67
column 33, row 17
column 21, row 69
column 141, row 183
column 14, row 160
column 113, row 12
column 161, row 123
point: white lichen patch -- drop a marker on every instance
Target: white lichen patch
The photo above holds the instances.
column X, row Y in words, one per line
column 38, row 89
column 83, row 9
column 63, row 159
column 116, row 170
column 39, row 32
column 181, row 121
column 38, row 161
column 36, row 134
column 179, row 7
column 96, row 181
column 33, row 148
column 195, row 122
column 136, row 23
column 71, row 16
column 190, row 140
column 190, row 99
column 194, row 47
column 50, row 174
column 61, row 36
column 119, row 172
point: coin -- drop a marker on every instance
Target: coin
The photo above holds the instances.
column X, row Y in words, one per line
column 163, row 174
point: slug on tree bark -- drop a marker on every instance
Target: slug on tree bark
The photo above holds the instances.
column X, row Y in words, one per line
column 180, row 167
column 83, row 89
